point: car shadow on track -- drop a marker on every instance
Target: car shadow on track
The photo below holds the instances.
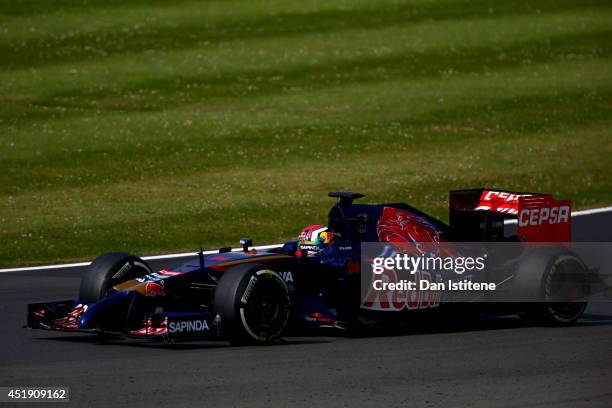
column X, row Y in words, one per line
column 180, row 345
column 458, row 325
column 321, row 336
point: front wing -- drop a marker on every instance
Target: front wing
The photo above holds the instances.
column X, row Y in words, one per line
column 70, row 315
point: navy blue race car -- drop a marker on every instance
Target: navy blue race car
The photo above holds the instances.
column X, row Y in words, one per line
column 254, row 296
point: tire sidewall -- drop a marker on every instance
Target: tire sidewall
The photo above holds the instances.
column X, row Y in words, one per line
column 551, row 314
column 536, row 270
column 232, row 296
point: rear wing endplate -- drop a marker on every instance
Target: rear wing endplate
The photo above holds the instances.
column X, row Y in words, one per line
column 540, row 217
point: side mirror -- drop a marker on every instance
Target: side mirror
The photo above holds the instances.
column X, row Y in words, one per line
column 289, row 248
column 246, row 243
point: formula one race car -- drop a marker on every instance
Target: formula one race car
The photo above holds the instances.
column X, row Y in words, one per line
column 255, row 296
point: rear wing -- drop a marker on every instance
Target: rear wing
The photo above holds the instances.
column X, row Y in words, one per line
column 479, row 215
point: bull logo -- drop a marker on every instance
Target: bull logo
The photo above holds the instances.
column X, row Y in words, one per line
column 154, row 289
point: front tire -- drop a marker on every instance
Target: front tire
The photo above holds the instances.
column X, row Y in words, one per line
column 254, row 305
column 107, row 271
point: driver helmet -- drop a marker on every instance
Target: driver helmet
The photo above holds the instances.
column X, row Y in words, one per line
column 313, row 239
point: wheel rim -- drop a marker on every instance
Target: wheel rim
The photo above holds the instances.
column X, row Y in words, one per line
column 566, row 289
column 265, row 312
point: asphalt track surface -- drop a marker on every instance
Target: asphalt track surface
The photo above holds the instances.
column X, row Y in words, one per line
column 497, row 362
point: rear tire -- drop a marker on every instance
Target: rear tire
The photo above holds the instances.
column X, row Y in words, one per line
column 254, row 305
column 107, row 271
column 555, row 282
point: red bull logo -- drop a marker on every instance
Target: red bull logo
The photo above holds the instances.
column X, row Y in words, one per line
column 154, row 289
column 387, row 299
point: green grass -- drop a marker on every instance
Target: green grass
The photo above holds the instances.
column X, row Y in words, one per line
column 155, row 126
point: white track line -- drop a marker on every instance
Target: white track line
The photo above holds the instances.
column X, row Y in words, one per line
column 262, row 247
column 146, row 258
column 591, row 211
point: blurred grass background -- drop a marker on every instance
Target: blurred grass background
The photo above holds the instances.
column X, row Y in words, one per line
column 158, row 126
